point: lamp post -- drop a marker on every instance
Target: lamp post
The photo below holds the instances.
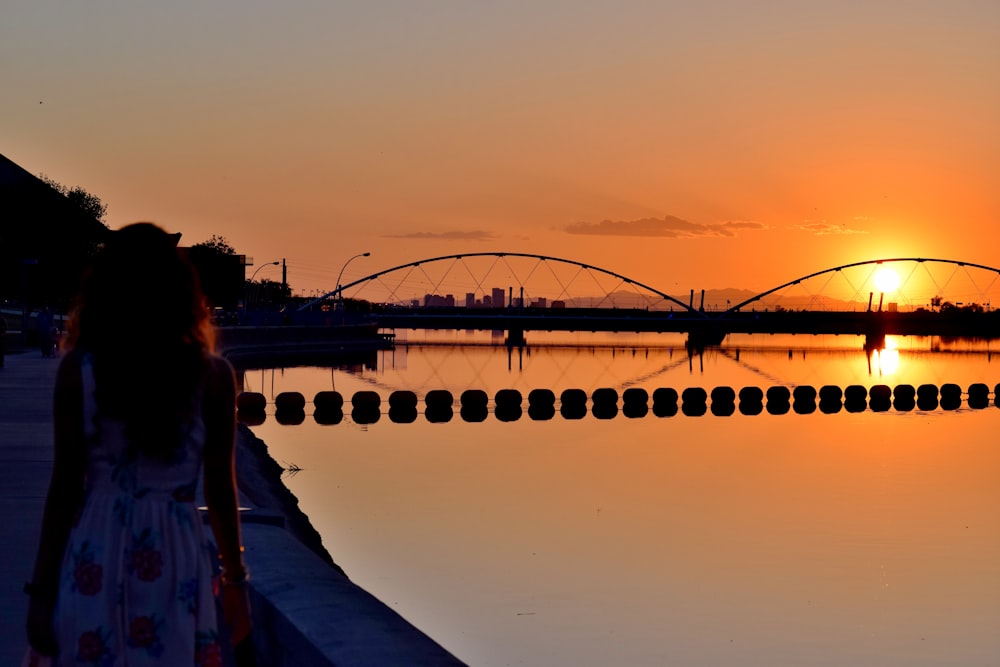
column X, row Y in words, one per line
column 340, row 295
column 246, row 311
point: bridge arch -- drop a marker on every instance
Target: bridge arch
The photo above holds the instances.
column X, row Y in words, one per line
column 623, row 280
column 875, row 264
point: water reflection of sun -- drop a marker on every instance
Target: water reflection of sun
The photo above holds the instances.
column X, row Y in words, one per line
column 886, row 359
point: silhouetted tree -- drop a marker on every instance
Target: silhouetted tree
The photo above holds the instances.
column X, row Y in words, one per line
column 89, row 204
column 220, row 270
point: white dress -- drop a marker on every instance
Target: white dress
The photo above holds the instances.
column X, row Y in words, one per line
column 136, row 582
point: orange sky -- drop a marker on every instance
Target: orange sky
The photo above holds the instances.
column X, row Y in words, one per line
column 737, row 144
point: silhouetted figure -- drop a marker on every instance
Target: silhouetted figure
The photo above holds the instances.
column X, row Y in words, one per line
column 124, row 574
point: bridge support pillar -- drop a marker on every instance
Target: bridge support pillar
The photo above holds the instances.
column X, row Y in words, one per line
column 515, row 337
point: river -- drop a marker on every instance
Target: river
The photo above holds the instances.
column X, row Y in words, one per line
column 861, row 538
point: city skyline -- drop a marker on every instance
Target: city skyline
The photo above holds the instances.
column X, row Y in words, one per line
column 737, row 145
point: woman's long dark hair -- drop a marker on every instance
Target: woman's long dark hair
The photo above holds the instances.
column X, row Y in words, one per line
column 142, row 318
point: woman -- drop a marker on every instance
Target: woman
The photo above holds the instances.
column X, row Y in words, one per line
column 123, row 573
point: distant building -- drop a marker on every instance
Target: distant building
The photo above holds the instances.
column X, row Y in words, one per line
column 558, row 303
column 470, row 299
column 45, row 240
column 497, row 298
column 438, row 301
column 540, row 302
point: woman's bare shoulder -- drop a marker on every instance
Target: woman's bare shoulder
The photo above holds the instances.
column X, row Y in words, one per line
column 221, row 376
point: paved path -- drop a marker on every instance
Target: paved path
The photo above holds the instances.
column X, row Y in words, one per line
column 26, row 383
column 305, row 612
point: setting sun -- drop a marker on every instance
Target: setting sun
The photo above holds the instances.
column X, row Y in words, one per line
column 886, row 280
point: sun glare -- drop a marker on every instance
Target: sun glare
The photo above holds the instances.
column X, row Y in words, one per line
column 886, row 280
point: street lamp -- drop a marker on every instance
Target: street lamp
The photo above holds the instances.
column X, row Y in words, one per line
column 246, row 310
column 340, row 294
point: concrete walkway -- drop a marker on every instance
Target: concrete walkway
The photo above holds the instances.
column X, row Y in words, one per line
column 305, row 611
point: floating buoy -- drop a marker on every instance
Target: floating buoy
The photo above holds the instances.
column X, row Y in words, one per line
column 880, row 398
column 542, row 397
column 438, row 414
column 604, row 396
column 474, row 413
column 289, row 401
column 403, row 400
column 751, row 401
column 951, row 396
column 474, row 398
column 508, row 398
column 635, row 396
column 541, row 412
column 368, row 400
column 439, row 399
column 402, row 414
column 693, row 402
column 804, row 393
column 251, row 401
column 855, row 398
column 979, row 396
column 328, row 400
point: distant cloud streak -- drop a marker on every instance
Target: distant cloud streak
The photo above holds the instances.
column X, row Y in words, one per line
column 670, row 227
column 471, row 235
column 824, row 228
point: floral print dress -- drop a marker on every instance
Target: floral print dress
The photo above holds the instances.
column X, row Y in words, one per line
column 136, row 581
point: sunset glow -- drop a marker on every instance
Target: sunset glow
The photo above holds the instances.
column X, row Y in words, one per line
column 886, row 280
column 689, row 147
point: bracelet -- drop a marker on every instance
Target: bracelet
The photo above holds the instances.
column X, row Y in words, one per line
column 38, row 591
column 239, row 580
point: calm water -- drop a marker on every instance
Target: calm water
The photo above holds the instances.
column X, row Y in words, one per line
column 860, row 539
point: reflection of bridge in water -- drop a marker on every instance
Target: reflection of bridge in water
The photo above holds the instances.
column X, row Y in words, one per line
column 520, row 292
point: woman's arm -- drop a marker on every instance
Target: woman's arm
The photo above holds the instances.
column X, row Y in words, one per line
column 63, row 503
column 221, row 494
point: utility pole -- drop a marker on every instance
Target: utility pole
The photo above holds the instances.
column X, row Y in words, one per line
column 284, row 277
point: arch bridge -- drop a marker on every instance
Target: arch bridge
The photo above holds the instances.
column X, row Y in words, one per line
column 518, row 292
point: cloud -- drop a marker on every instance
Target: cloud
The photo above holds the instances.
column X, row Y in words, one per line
column 824, row 228
column 670, row 227
column 471, row 235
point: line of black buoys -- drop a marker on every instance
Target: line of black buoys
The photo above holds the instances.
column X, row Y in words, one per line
column 979, row 396
column 694, row 402
column 664, row 402
column 855, row 398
